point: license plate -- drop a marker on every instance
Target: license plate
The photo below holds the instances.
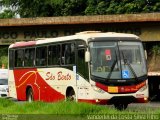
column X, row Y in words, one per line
column 113, row 89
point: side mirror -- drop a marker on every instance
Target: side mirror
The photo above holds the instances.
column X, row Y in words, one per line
column 145, row 54
column 87, row 56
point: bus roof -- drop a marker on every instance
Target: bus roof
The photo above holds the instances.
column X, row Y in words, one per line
column 81, row 35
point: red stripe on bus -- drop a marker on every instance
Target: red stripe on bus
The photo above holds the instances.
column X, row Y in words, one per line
column 41, row 90
column 121, row 89
column 22, row 44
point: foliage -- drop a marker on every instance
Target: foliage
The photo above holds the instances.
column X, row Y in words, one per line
column 4, row 61
column 153, row 53
column 156, row 50
column 7, row 14
column 4, row 56
column 48, row 8
column 5, row 103
column 67, row 108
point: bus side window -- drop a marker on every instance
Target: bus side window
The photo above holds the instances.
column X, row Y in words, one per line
column 54, row 55
column 68, row 53
column 19, row 59
column 29, row 57
column 11, row 59
column 41, row 56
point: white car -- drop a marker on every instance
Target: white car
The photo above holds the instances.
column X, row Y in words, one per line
column 4, row 83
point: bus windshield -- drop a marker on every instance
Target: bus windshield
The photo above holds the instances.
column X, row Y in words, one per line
column 117, row 60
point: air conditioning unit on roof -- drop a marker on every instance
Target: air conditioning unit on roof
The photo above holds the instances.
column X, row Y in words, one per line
column 88, row 32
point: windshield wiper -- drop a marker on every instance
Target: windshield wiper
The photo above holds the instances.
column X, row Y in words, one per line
column 112, row 67
column 129, row 65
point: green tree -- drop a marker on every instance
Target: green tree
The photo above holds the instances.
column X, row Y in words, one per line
column 91, row 7
column 48, row 8
column 4, row 61
column 73, row 7
column 4, row 56
column 7, row 14
column 101, row 7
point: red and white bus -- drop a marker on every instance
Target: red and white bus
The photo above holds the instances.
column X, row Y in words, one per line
column 94, row 67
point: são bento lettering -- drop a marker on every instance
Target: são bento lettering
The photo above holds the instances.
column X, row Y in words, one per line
column 59, row 76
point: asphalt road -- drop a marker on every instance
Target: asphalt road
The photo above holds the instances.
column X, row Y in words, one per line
column 150, row 106
column 139, row 107
column 146, row 105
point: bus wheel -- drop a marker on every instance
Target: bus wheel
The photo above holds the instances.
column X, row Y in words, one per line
column 30, row 95
column 71, row 96
column 121, row 106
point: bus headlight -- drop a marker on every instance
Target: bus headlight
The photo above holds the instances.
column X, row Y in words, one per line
column 143, row 88
column 97, row 89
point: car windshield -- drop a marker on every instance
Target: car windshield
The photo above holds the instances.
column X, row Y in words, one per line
column 3, row 82
column 117, row 60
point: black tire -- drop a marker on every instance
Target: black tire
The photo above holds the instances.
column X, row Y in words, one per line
column 71, row 95
column 121, row 106
column 30, row 95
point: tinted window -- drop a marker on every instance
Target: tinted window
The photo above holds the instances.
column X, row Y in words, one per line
column 41, row 56
column 29, row 57
column 68, row 53
column 11, row 54
column 3, row 81
column 82, row 65
column 54, row 55
column 19, row 61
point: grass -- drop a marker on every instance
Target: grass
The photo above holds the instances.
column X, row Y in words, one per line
column 63, row 109
column 58, row 108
